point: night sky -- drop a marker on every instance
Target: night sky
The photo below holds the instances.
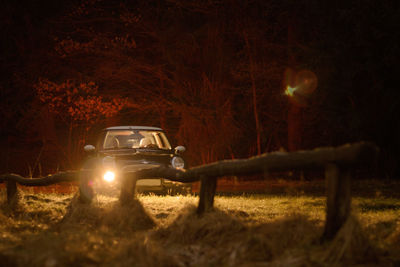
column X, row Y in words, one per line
column 213, row 74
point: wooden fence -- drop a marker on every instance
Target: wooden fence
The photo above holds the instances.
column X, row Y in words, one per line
column 337, row 162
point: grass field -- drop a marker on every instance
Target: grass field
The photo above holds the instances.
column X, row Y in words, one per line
column 252, row 230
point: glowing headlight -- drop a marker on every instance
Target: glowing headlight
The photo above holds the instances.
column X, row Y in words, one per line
column 178, row 163
column 109, row 176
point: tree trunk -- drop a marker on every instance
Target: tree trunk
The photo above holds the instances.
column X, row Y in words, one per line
column 254, row 93
column 294, row 127
column 294, row 115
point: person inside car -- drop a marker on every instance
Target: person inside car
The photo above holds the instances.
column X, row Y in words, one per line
column 145, row 142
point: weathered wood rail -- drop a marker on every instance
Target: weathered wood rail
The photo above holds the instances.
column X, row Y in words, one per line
column 337, row 162
column 12, row 179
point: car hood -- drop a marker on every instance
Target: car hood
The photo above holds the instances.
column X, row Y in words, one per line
column 138, row 159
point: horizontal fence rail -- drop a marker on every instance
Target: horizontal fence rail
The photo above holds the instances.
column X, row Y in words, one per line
column 12, row 179
column 350, row 155
column 59, row 177
column 336, row 161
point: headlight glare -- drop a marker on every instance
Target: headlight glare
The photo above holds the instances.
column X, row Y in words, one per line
column 109, row 176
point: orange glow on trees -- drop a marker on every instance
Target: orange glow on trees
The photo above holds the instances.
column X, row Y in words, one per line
column 78, row 102
column 79, row 107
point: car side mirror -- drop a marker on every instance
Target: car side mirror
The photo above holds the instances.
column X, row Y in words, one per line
column 89, row 148
column 180, row 149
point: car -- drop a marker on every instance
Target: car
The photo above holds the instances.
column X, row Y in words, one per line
column 124, row 149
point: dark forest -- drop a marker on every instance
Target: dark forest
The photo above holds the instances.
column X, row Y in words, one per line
column 212, row 74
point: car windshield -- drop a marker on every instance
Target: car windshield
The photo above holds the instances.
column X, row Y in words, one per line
column 114, row 139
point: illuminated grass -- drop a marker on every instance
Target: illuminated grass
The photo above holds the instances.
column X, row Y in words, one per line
column 55, row 230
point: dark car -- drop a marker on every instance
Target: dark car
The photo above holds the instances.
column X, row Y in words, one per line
column 124, row 149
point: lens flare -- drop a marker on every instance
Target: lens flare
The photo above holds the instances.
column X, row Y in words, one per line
column 109, row 176
column 299, row 86
column 306, row 82
column 290, row 90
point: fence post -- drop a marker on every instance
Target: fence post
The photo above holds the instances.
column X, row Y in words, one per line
column 338, row 199
column 86, row 178
column 207, row 193
column 12, row 192
column 128, row 188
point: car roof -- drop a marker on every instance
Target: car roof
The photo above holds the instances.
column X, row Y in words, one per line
column 147, row 128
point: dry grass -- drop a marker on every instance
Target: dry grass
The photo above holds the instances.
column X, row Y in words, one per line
column 56, row 230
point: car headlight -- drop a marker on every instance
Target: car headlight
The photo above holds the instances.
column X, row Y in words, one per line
column 178, row 163
column 109, row 176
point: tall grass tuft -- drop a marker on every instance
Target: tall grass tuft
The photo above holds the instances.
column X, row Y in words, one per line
column 350, row 246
